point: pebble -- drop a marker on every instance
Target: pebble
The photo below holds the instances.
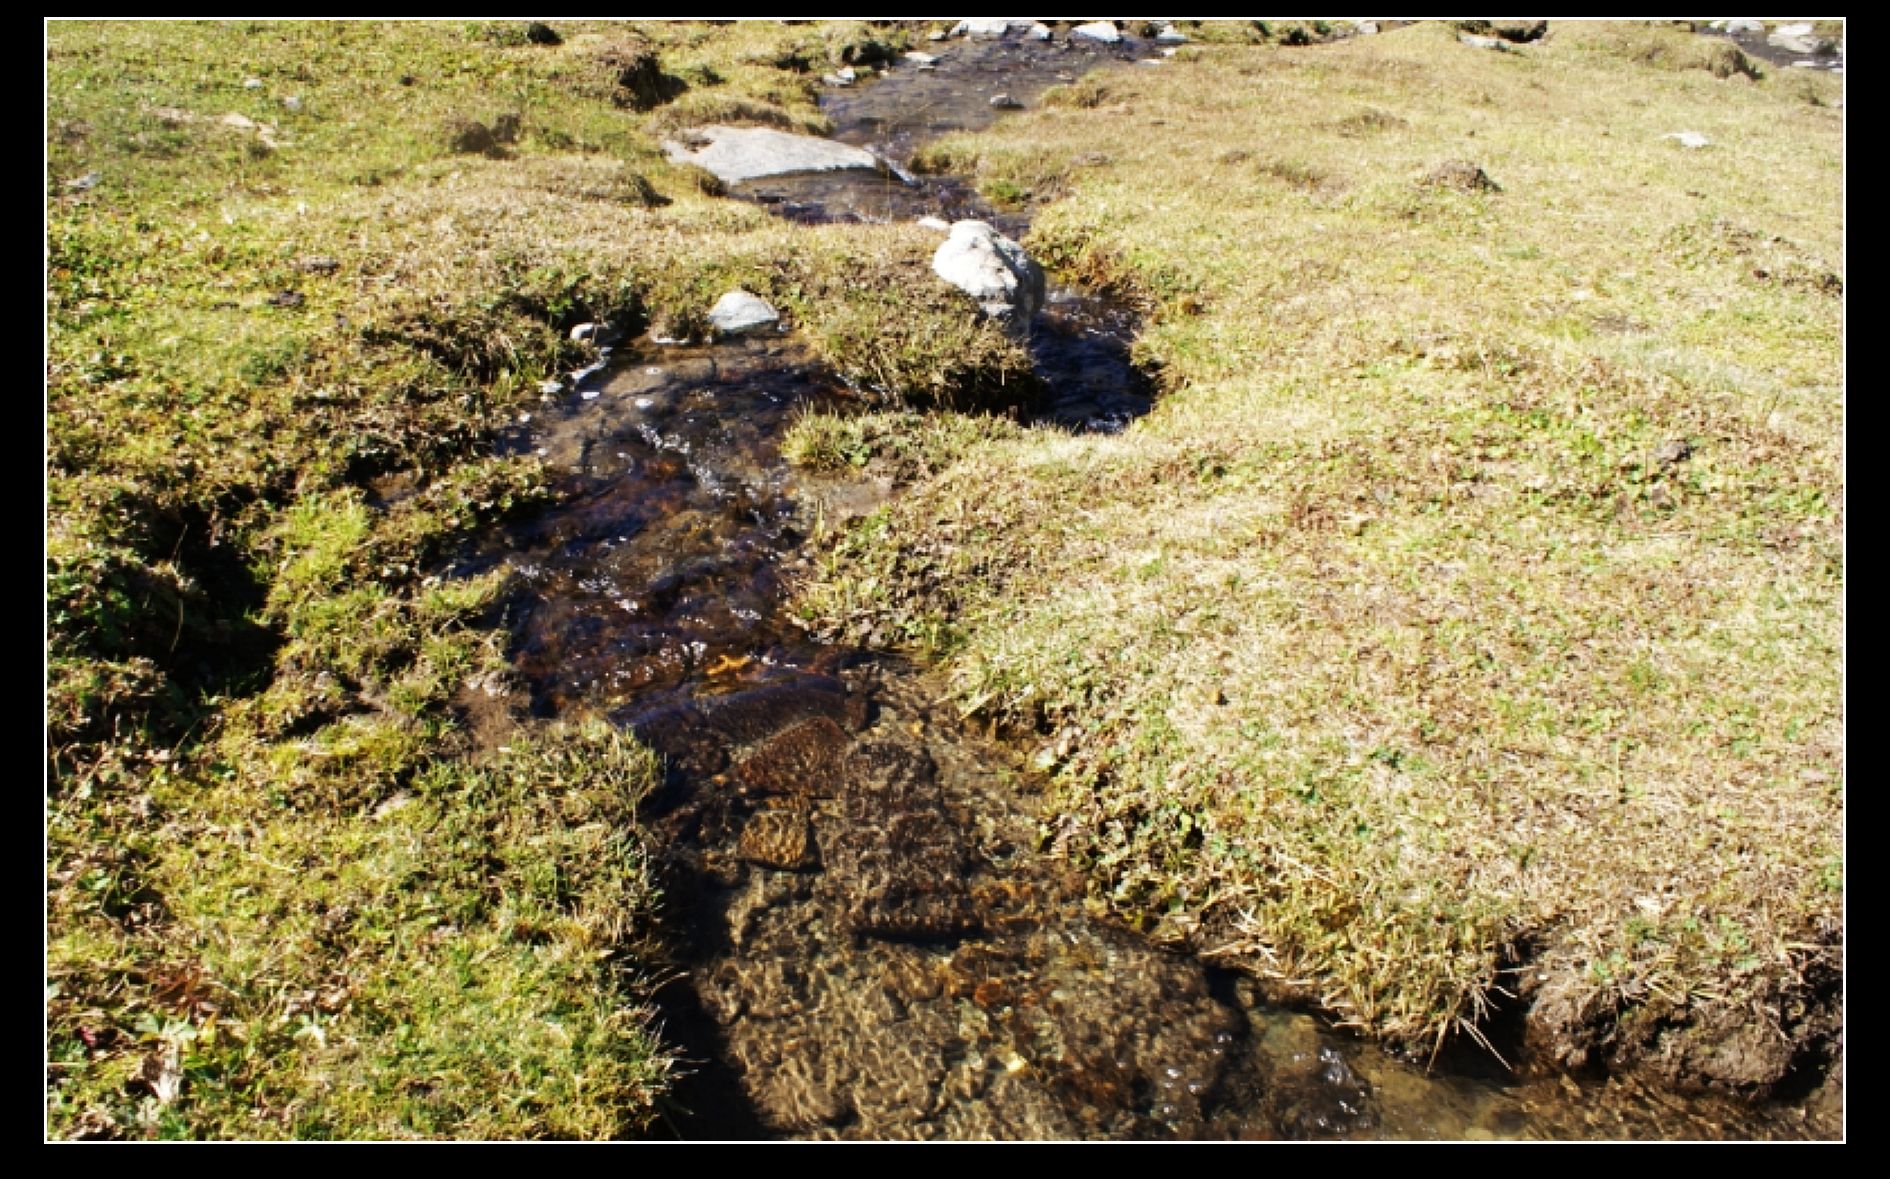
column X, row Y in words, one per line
column 252, row 83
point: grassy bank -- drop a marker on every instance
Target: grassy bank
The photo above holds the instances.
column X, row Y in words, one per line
column 1464, row 627
column 311, row 870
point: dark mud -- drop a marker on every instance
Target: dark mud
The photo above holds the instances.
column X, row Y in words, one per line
column 869, row 943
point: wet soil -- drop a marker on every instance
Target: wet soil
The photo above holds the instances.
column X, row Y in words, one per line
column 870, row 944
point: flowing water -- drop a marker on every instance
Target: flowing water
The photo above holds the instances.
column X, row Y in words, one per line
column 872, row 945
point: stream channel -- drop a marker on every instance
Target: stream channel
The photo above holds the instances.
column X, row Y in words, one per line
column 871, row 945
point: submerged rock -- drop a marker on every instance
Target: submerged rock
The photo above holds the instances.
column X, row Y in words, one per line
column 739, row 312
column 734, row 154
column 992, row 269
column 1098, row 30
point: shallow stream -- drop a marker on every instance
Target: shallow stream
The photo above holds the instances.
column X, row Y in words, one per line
column 874, row 948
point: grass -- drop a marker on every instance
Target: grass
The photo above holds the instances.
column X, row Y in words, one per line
column 1466, row 622
column 311, row 871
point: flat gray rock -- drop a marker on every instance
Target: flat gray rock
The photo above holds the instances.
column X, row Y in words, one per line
column 992, row 269
column 735, row 154
column 739, row 312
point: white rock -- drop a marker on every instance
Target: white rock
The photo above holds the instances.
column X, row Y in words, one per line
column 917, row 58
column 938, row 223
column 256, row 83
column 735, row 154
column 992, row 269
column 739, row 312
column 583, row 332
column 1098, row 30
column 1039, row 32
column 1005, row 102
column 549, row 388
column 1367, row 28
column 1794, row 30
column 990, row 28
column 1167, row 35
column 1742, row 25
column 836, row 80
column 1688, row 138
column 1476, row 42
column 292, row 104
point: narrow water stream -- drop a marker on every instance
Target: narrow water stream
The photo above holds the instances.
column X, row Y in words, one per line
column 873, row 946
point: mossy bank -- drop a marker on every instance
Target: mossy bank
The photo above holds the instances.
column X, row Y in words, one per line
column 311, row 869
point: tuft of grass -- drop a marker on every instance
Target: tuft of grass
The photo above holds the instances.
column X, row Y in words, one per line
column 1475, row 589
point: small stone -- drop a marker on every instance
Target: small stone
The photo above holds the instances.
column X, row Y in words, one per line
column 1743, row 25
column 920, row 59
column 992, row 269
column 550, row 388
column 1038, row 32
column 1673, row 452
column 1688, row 139
column 1098, row 30
column 781, row 839
column 1476, row 42
column 738, row 312
column 85, row 183
column 1800, row 29
column 583, row 332
column 1005, row 102
column 836, row 80
column 990, row 28
column 1367, row 28
column 293, row 104
column 1168, row 36
column 252, row 83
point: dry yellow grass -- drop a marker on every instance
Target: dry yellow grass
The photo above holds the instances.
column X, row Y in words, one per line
column 1467, row 618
